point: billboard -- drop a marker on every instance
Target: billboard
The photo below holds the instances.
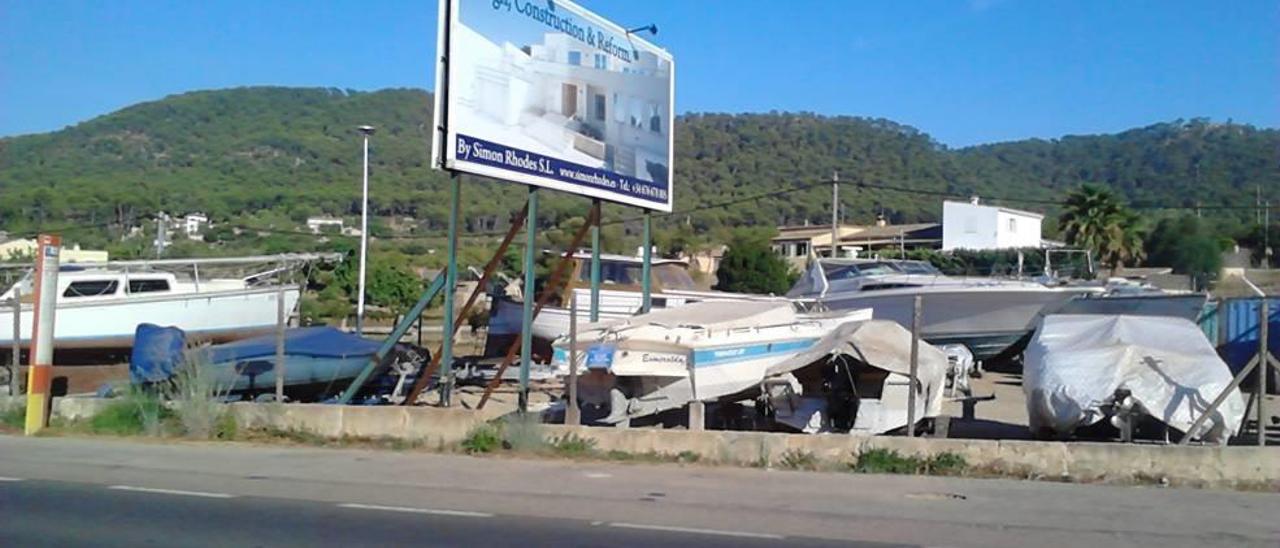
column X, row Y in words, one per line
column 546, row 93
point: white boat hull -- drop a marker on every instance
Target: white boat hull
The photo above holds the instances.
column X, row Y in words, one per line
column 102, row 324
column 553, row 321
column 985, row 319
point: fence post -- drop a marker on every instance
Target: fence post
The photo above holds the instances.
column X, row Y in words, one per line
column 281, row 321
column 15, row 365
column 1264, row 359
column 572, row 414
column 915, row 366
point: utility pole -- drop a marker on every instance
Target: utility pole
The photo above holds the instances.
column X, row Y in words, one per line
column 364, row 231
column 1266, row 235
column 835, row 214
column 1257, row 204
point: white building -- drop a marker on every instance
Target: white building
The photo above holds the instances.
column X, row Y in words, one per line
column 971, row 225
column 318, row 224
column 193, row 224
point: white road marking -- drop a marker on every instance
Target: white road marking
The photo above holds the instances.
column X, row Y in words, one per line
column 433, row 511
column 694, row 530
column 204, row 494
column 598, row 475
column 2, row 478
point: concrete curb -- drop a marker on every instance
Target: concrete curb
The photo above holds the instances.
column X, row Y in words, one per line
column 1210, row 466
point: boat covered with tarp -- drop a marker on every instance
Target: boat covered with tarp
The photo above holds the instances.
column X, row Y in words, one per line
column 1082, row 369
column 317, row 360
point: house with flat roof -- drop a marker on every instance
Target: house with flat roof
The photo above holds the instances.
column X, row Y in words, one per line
column 795, row 243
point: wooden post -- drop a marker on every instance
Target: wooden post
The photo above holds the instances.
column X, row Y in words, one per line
column 573, row 415
column 915, row 366
column 16, row 364
column 281, row 320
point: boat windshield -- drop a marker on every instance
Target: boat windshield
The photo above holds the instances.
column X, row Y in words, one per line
column 673, row 276
column 918, row 267
column 876, row 268
column 667, row 275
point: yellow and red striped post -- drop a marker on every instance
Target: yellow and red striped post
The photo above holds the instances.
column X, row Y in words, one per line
column 40, row 372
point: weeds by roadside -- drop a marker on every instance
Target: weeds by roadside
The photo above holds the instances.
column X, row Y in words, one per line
column 795, row 459
column 573, row 445
column 888, row 461
column 13, row 418
column 483, row 438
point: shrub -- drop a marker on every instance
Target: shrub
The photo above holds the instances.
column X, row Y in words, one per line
column 483, row 438
column 523, row 433
column 573, row 445
column 198, row 401
column 137, row 412
column 946, row 464
column 14, row 417
column 794, row 459
column 888, row 461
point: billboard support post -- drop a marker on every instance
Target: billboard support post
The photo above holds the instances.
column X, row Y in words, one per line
column 646, row 271
column 595, row 262
column 450, row 287
column 526, row 319
column 43, row 320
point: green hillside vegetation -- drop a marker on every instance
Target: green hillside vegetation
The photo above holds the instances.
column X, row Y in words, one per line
column 260, row 161
column 293, row 152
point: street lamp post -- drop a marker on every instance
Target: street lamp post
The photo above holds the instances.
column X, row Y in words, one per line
column 364, row 231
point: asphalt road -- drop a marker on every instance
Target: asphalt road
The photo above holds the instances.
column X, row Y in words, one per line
column 77, row 492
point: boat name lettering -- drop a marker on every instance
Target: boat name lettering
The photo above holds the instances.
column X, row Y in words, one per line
column 661, row 358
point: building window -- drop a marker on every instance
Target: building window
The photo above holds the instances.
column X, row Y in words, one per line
column 575, row 58
column 655, row 122
column 602, row 62
column 600, row 107
column 148, row 286
column 1013, row 226
column 802, row 249
column 95, row 288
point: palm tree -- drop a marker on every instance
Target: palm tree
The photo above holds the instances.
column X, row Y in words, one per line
column 1095, row 220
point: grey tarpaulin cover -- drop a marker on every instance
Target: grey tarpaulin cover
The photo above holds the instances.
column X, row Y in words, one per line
column 1076, row 363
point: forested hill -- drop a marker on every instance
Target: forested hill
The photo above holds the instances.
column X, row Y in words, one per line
column 293, row 152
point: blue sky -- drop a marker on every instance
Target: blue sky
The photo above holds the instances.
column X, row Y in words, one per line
column 965, row 71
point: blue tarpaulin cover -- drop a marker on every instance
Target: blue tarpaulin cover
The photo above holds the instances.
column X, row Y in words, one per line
column 157, row 351
column 320, row 342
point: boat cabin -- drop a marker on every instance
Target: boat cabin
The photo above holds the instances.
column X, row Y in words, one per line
column 78, row 284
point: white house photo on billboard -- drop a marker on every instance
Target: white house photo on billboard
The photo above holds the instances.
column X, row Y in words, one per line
column 549, row 94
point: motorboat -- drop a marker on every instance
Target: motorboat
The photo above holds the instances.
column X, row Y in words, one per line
column 621, row 296
column 1082, row 369
column 863, row 384
column 989, row 316
column 650, row 363
column 99, row 305
column 1120, row 296
column 318, row 361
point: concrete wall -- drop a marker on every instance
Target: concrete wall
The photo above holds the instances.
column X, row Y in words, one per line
column 427, row 424
column 1194, row 465
column 1109, row 462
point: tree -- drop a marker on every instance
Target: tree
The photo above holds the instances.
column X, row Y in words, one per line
column 749, row 266
column 1188, row 246
column 1095, row 220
